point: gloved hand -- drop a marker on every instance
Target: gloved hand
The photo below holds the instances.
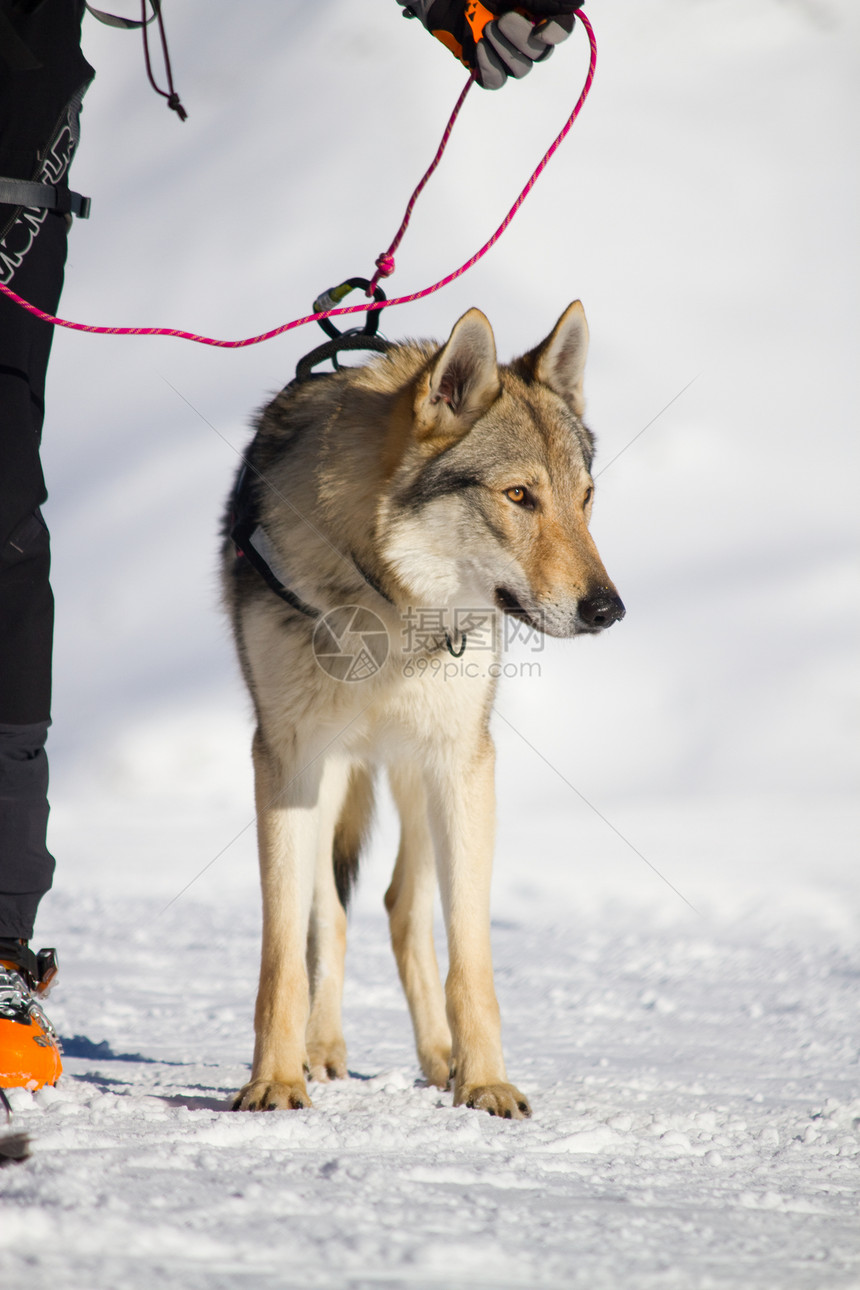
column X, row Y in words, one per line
column 493, row 38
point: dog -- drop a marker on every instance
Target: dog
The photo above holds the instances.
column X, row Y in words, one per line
column 428, row 480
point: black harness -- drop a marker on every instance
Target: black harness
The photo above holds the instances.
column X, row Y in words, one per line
column 35, row 196
column 246, row 532
column 252, row 544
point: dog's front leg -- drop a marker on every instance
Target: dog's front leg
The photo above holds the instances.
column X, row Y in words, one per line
column 287, row 834
column 462, row 817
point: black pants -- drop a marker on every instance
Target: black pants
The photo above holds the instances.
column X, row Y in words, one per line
column 26, row 602
column 43, row 76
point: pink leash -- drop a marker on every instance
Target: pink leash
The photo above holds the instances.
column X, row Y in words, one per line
column 385, row 262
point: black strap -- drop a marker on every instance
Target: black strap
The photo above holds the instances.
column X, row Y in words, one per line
column 371, row 581
column 244, row 537
column 52, row 197
column 130, row 24
column 252, row 544
column 127, row 24
column 246, row 533
column 247, row 537
column 35, row 968
column 331, row 349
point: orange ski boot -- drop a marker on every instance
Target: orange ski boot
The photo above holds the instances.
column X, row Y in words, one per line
column 29, row 1049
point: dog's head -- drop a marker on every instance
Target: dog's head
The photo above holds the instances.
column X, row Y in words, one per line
column 493, row 493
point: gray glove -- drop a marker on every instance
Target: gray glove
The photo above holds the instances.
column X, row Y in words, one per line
column 492, row 39
column 511, row 45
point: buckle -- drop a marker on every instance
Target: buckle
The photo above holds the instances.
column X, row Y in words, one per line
column 39, row 970
column 48, row 967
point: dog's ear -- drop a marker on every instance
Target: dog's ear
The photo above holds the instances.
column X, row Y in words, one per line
column 461, row 383
column 560, row 361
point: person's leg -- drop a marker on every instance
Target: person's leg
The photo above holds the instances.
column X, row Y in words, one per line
column 26, row 867
column 44, row 76
column 26, row 602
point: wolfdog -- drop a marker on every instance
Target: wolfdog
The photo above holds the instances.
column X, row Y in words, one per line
column 429, row 479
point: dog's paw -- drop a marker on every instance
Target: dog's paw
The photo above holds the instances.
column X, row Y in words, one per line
column 267, row 1095
column 327, row 1061
column 436, row 1065
column 498, row 1099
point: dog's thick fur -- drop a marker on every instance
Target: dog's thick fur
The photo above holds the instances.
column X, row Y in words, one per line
column 433, row 479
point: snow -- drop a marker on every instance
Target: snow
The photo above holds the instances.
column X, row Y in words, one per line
column 677, row 893
column 696, row 1117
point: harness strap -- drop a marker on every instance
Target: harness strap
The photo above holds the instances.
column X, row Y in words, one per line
column 52, row 197
column 247, row 534
column 126, row 24
column 252, row 544
column 372, row 582
column 331, row 348
column 142, row 23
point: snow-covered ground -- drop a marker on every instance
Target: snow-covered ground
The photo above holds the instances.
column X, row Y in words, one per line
column 677, row 887
column 694, row 1087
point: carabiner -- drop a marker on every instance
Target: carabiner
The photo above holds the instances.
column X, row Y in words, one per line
column 331, row 299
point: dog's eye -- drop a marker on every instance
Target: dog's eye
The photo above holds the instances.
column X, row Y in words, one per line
column 517, row 494
column 589, row 493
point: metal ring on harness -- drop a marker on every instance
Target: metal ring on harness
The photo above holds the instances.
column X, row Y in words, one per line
column 331, row 299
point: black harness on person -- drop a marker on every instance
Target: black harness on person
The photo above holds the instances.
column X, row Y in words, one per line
column 35, row 196
column 246, row 532
column 16, row 53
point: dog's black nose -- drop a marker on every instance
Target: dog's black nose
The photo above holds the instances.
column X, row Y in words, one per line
column 601, row 610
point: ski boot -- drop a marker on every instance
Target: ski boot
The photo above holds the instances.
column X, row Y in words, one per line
column 29, row 1049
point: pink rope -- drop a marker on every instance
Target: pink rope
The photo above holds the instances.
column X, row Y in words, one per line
column 385, row 262
column 387, row 257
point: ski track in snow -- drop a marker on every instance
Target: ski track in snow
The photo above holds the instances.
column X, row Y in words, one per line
column 695, row 1119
